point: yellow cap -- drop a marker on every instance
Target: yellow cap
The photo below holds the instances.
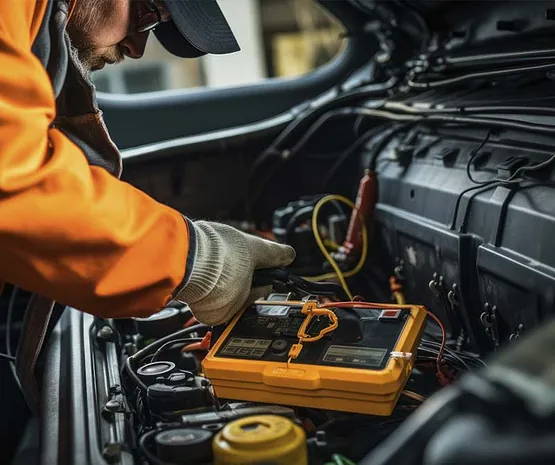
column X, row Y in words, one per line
column 260, row 438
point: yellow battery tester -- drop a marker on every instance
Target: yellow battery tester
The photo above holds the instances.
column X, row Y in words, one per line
column 351, row 356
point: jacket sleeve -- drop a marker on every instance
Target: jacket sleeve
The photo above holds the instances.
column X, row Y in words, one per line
column 69, row 231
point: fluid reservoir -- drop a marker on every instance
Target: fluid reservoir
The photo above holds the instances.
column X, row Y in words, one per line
column 259, row 440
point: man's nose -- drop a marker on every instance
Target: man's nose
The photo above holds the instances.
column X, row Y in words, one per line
column 134, row 45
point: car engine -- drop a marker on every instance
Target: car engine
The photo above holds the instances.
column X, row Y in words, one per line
column 413, row 328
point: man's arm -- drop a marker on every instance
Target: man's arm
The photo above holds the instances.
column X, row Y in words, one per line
column 69, row 231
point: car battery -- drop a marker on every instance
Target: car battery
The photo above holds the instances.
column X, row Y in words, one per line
column 354, row 359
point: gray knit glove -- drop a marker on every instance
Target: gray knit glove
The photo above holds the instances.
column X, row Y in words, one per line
column 221, row 278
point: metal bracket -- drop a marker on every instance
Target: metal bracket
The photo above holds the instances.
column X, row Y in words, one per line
column 488, row 318
column 515, row 336
column 398, row 271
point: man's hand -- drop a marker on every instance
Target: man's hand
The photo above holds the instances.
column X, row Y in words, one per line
column 221, row 278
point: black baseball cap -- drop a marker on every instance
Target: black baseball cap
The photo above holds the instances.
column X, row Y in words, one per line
column 197, row 27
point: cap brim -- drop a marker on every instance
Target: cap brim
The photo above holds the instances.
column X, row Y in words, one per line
column 197, row 27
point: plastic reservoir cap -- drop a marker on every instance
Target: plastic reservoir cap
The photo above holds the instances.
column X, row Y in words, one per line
column 261, row 438
column 151, row 371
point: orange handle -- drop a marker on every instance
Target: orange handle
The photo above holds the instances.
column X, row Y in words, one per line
column 310, row 309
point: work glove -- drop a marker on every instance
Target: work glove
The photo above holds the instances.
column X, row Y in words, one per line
column 225, row 258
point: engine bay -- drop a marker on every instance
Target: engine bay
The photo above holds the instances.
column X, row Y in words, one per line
column 295, row 378
column 418, row 196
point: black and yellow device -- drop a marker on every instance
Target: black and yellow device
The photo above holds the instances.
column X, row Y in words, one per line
column 349, row 356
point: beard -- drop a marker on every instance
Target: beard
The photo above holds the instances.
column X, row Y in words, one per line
column 81, row 30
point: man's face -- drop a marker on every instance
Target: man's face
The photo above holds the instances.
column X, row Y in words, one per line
column 105, row 31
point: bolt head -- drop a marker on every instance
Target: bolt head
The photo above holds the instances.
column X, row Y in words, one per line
column 115, row 389
column 105, row 333
column 112, row 452
column 113, row 406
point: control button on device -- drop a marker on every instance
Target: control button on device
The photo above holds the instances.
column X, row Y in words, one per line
column 258, row 352
column 229, row 350
column 279, row 345
column 236, row 342
column 392, row 315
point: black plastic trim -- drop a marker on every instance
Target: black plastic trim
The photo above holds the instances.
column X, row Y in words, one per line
column 75, row 386
column 530, row 275
column 205, row 141
column 458, row 248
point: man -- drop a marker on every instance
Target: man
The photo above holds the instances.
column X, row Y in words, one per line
column 70, row 230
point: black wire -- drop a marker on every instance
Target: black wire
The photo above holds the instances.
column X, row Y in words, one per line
column 358, row 125
column 285, row 155
column 462, row 227
column 453, row 361
column 528, row 168
column 360, row 141
column 485, row 188
column 365, row 8
column 431, row 118
column 292, row 223
column 461, row 120
column 469, row 358
column 367, row 91
column 496, row 182
column 131, row 360
column 489, row 59
column 458, row 116
column 448, row 352
column 532, row 111
column 420, row 20
column 472, row 359
column 479, row 75
column 341, row 112
column 305, row 213
column 473, row 157
column 11, row 358
column 383, row 143
column 274, row 152
column 184, row 341
column 502, row 123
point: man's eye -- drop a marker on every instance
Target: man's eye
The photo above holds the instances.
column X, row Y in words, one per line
column 141, row 8
column 147, row 18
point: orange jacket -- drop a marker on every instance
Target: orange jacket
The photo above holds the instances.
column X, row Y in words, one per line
column 69, row 231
